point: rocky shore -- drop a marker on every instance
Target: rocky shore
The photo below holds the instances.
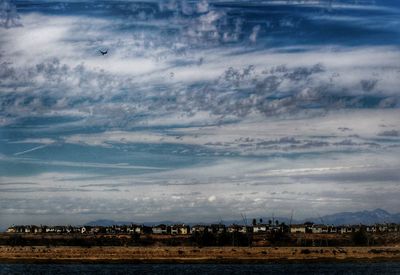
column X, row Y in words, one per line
column 42, row 254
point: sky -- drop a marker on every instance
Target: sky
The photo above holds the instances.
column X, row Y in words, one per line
column 200, row 110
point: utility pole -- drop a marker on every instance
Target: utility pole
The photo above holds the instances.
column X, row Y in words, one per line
column 323, row 223
column 245, row 224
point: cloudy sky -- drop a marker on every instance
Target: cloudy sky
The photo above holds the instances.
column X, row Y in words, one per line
column 200, row 111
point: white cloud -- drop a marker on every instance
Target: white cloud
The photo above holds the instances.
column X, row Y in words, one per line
column 202, row 6
column 257, row 127
column 254, row 33
column 58, row 54
column 212, row 198
column 222, row 188
column 256, row 136
column 45, row 141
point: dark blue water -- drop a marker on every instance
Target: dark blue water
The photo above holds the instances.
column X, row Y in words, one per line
column 309, row 268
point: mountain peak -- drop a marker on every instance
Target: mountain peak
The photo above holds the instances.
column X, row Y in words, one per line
column 380, row 211
column 362, row 217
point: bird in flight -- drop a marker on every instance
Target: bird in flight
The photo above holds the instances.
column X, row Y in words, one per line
column 103, row 52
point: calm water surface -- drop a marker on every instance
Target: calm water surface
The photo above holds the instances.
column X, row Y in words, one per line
column 313, row 268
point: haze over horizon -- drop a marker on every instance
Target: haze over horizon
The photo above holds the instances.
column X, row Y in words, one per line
column 199, row 110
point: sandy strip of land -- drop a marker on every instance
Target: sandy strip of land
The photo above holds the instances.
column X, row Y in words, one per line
column 195, row 255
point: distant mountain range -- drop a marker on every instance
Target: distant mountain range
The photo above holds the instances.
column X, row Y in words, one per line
column 105, row 222
column 362, row 217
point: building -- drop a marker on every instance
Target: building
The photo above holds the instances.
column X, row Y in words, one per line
column 217, row 228
column 298, row 228
column 198, row 228
column 11, row 229
column 234, row 228
column 245, row 229
column 179, row 229
column 260, row 228
column 134, row 229
column 159, row 229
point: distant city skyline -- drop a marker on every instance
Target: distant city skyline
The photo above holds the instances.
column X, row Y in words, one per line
column 199, row 110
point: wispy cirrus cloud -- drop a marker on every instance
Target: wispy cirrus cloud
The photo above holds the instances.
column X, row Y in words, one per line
column 210, row 106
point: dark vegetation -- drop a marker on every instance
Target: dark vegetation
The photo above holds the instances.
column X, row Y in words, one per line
column 360, row 238
column 200, row 239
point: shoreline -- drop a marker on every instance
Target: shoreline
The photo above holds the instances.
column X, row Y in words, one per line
column 194, row 255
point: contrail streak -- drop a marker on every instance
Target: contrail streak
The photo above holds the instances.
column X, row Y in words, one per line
column 31, row 150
